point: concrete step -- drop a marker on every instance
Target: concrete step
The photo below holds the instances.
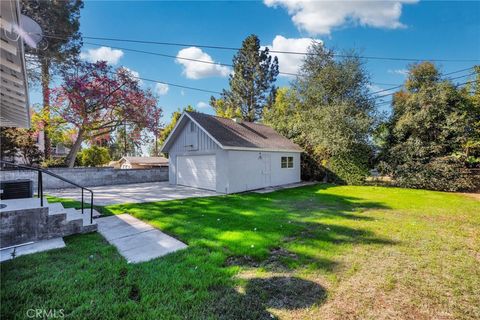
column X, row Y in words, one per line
column 55, row 208
column 74, row 215
column 24, row 220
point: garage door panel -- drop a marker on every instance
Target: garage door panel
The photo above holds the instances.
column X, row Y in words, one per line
column 197, row 171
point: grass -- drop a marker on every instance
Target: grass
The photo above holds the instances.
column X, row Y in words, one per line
column 318, row 252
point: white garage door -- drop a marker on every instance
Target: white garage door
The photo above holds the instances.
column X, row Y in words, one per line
column 197, row 171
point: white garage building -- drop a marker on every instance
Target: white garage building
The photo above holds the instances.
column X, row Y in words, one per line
column 229, row 156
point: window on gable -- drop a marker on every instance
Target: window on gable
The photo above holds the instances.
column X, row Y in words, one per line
column 286, row 162
column 192, row 127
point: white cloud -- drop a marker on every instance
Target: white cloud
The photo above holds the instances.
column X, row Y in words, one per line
column 108, row 54
column 319, row 17
column 402, row 72
column 290, row 63
column 198, row 70
column 161, row 89
column 202, row 105
column 182, row 92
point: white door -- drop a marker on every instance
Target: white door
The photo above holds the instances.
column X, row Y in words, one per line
column 267, row 170
column 197, row 171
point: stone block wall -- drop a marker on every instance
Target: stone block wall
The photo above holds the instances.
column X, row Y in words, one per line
column 89, row 177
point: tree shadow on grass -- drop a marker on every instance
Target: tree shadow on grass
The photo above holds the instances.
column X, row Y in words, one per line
column 253, row 225
column 281, row 231
column 278, row 292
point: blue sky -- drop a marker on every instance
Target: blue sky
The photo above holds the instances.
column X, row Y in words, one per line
column 406, row 28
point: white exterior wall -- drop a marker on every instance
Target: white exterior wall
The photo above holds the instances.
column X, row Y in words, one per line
column 205, row 146
column 236, row 171
column 246, row 171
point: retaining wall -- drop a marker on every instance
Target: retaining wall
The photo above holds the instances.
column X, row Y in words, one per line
column 89, row 177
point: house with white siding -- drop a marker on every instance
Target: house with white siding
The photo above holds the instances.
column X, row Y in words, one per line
column 229, row 156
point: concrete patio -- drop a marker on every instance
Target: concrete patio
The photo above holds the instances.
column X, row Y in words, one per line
column 133, row 193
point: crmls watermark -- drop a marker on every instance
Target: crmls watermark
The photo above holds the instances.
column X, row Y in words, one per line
column 45, row 314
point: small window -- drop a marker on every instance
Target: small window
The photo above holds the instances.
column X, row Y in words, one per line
column 286, row 162
column 192, row 127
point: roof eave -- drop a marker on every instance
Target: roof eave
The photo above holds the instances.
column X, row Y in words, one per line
column 165, row 146
column 262, row 149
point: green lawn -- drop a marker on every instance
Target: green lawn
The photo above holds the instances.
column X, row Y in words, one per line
column 321, row 252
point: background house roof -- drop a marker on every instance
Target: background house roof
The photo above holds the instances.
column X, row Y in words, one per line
column 146, row 160
column 232, row 134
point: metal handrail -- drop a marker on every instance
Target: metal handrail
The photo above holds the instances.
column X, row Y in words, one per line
column 40, row 184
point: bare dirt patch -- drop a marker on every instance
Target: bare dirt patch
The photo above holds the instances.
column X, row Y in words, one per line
column 286, row 292
column 277, row 260
column 475, row 196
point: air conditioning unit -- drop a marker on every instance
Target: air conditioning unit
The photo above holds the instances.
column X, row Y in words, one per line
column 16, row 189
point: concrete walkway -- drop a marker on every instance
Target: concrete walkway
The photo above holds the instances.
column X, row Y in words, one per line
column 286, row 186
column 133, row 193
column 136, row 240
column 31, row 247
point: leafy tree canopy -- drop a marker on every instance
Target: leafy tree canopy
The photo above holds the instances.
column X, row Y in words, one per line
column 20, row 144
column 431, row 128
column 329, row 113
column 60, row 23
column 97, row 100
column 94, row 156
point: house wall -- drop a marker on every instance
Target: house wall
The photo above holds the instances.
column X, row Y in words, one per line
column 237, row 171
column 248, row 171
column 181, row 147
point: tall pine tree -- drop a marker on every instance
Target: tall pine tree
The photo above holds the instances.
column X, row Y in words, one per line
column 252, row 83
column 60, row 23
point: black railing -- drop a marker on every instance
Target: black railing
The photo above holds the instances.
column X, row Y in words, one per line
column 40, row 183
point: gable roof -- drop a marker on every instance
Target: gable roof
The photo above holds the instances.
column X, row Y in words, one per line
column 232, row 135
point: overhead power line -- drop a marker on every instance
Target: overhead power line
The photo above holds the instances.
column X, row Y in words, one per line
column 218, row 63
column 445, row 74
column 391, row 94
column 175, row 57
column 162, row 82
column 178, row 44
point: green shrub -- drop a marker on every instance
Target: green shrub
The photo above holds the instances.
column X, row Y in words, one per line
column 311, row 169
column 54, row 163
column 443, row 174
column 348, row 170
column 94, row 156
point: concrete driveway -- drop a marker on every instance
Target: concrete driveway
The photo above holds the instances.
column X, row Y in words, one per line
column 133, row 193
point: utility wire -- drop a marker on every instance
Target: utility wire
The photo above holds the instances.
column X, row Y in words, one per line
column 445, row 74
column 391, row 94
column 217, row 63
column 177, row 44
column 176, row 57
column 162, row 82
column 226, row 64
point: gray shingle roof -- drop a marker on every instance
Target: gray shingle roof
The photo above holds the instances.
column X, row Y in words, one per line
column 244, row 134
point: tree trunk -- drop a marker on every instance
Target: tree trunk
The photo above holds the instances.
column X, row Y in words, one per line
column 72, row 155
column 46, row 107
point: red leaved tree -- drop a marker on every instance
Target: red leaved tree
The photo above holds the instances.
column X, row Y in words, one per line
column 96, row 100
